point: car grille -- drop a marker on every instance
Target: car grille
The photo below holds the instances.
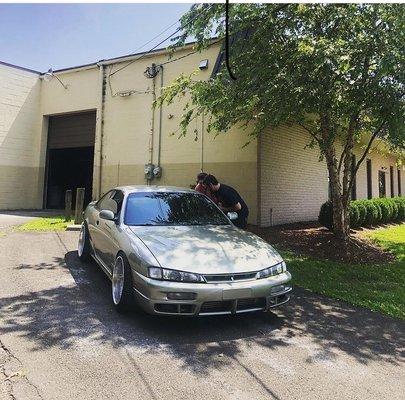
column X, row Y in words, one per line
column 216, row 307
column 230, row 277
column 233, row 306
column 174, row 308
column 247, row 304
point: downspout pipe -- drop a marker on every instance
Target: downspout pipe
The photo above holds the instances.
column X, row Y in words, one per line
column 202, row 141
column 101, row 126
column 152, row 122
column 160, row 117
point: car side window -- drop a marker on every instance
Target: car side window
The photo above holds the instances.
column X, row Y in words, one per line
column 102, row 198
column 112, row 201
column 118, row 198
column 106, row 202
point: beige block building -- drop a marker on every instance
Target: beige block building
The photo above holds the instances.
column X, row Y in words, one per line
column 96, row 128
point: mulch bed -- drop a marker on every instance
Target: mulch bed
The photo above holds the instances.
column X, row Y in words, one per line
column 313, row 240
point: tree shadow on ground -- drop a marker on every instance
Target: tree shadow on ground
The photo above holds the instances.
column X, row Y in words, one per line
column 81, row 314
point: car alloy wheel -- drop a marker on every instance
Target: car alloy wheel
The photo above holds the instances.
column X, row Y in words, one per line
column 82, row 240
column 118, row 280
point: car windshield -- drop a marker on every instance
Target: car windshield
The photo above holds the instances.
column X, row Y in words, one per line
column 172, row 208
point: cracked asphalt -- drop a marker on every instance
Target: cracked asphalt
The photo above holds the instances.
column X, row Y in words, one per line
column 60, row 338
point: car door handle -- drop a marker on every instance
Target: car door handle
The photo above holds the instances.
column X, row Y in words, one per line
column 97, row 222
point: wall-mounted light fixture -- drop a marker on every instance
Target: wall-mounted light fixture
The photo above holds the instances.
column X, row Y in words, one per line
column 48, row 76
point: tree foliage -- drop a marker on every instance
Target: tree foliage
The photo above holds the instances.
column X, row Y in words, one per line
column 337, row 70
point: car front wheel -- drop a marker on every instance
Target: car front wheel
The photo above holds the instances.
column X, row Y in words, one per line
column 121, row 285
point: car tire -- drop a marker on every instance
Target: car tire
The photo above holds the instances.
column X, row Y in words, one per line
column 84, row 246
column 121, row 284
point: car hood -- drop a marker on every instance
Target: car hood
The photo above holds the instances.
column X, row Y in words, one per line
column 207, row 249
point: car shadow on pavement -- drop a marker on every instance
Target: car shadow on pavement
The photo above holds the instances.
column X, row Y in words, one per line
column 81, row 315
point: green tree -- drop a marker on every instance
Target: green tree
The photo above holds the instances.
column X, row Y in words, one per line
column 337, row 70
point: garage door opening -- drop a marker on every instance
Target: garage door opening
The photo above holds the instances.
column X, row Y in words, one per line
column 70, row 157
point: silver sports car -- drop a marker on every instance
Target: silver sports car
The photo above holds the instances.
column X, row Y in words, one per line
column 173, row 251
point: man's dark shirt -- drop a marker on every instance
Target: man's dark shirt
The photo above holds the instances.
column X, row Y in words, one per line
column 229, row 197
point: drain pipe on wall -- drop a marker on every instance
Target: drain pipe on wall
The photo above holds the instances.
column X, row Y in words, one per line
column 151, row 73
column 154, row 171
column 160, row 119
column 102, row 82
column 152, row 123
column 202, row 141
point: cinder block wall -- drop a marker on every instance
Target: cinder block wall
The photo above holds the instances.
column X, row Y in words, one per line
column 20, row 125
column 294, row 182
column 82, row 93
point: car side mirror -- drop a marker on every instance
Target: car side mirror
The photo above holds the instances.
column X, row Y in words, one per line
column 108, row 215
column 232, row 215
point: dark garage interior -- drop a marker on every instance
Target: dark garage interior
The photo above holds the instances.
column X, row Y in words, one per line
column 70, row 156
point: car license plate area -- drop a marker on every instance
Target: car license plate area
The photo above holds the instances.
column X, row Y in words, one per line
column 233, row 294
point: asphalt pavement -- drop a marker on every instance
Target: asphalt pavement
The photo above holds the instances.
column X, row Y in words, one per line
column 60, row 338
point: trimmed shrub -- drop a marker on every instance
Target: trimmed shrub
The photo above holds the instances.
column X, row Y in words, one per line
column 362, row 211
column 394, row 210
column 354, row 215
column 373, row 213
column 400, row 202
column 367, row 212
column 325, row 217
column 379, row 215
column 386, row 208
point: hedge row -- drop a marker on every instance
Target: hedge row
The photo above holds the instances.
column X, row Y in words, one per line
column 367, row 212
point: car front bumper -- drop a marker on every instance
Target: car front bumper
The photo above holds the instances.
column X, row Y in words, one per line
column 211, row 298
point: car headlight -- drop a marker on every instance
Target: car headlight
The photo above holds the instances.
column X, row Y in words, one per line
column 271, row 271
column 173, row 275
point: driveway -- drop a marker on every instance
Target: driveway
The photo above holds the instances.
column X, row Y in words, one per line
column 61, row 339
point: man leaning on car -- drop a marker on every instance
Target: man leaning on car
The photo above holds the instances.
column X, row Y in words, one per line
column 229, row 200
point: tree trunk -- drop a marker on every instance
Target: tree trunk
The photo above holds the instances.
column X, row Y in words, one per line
column 341, row 226
column 339, row 199
column 340, row 207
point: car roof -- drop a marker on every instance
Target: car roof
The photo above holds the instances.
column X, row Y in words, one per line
column 153, row 188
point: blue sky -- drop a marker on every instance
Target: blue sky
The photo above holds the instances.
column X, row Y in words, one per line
column 41, row 36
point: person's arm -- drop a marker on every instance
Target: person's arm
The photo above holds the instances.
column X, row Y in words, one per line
column 237, row 207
